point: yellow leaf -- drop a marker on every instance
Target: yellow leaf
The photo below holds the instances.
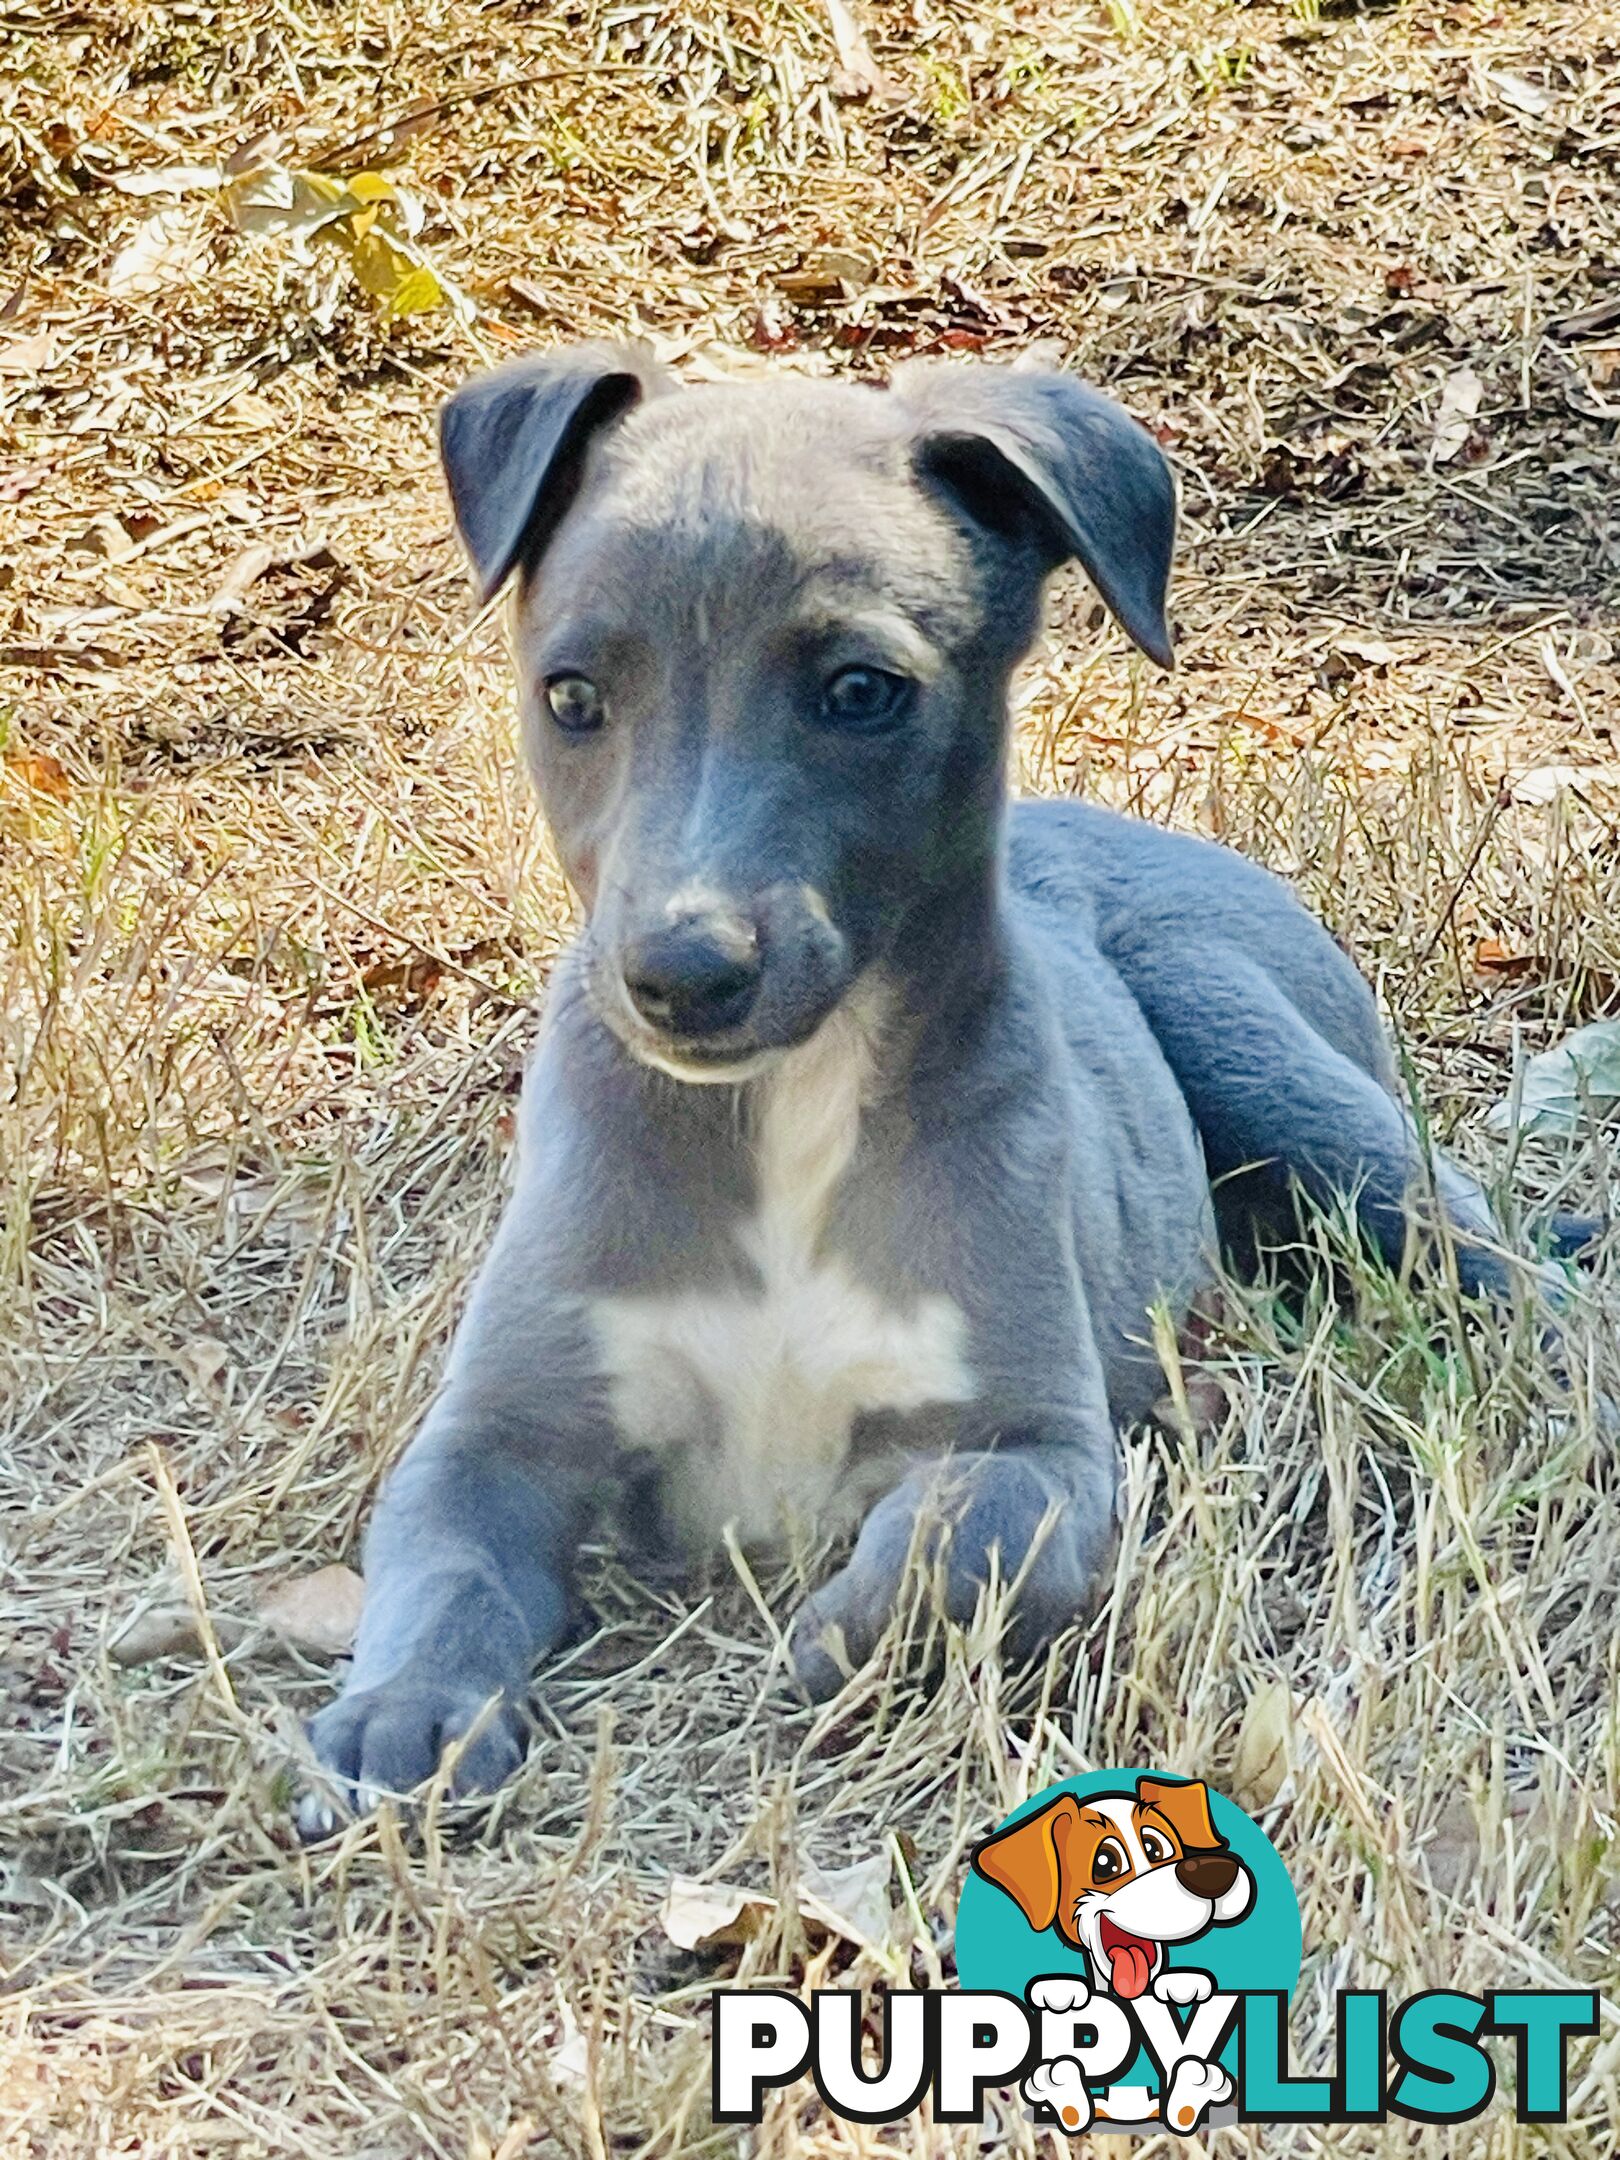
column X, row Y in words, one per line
column 417, row 294
column 394, row 275
column 367, row 216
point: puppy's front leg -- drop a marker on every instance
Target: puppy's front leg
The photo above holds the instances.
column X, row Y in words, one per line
column 1037, row 1509
column 467, row 1566
column 469, row 1555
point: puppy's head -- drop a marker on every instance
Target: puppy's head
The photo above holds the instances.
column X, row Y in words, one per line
column 1119, row 1875
column 764, row 632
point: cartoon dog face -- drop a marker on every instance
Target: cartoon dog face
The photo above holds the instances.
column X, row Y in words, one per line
column 1119, row 1875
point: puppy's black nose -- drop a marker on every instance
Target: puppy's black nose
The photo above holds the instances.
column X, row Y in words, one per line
column 1207, row 1874
column 695, row 978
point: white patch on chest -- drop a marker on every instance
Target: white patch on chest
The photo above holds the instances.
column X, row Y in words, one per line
column 757, row 1389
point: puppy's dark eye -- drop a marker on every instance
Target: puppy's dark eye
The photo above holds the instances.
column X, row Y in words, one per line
column 576, row 703
column 863, row 699
column 1108, row 1862
column 1158, row 1849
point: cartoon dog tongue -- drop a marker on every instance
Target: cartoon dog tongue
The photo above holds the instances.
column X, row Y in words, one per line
column 1130, row 1960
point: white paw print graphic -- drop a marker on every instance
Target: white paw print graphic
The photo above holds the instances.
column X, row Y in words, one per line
column 1194, row 2088
column 1183, row 1988
column 1059, row 1991
column 1061, row 2086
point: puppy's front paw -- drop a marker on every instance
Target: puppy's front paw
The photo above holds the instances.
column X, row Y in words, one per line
column 387, row 1739
column 1195, row 2087
column 1061, row 2086
column 978, row 1516
column 1183, row 1987
column 1059, row 1991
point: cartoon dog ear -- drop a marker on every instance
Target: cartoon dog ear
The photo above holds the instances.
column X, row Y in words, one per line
column 513, row 446
column 1027, row 1860
column 1185, row 1806
column 1022, row 449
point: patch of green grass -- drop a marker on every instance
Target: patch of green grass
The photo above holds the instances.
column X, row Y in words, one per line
column 1223, row 68
column 947, row 90
column 366, row 1029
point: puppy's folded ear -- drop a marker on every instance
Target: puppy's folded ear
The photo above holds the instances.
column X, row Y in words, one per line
column 1025, row 451
column 513, row 445
column 1027, row 1860
column 1185, row 1807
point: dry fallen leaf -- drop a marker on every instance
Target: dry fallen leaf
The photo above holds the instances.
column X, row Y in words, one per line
column 1543, row 784
column 853, row 1901
column 290, row 1201
column 1265, row 1746
column 270, row 202
column 106, row 536
column 28, row 355
column 169, row 1628
column 1454, row 424
column 827, row 274
column 1371, row 652
column 243, row 573
column 1522, row 96
column 417, row 977
column 1453, row 1847
column 570, row 2060
column 38, row 771
column 711, row 1916
column 160, row 1631
column 165, row 179
column 319, row 1612
column 1562, row 1089
column 157, row 254
column 1348, row 656
column 121, row 538
column 260, row 562
column 206, row 1365
column 392, row 272
column 858, row 74
column 1492, row 957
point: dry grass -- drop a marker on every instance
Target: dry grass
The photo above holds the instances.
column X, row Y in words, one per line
column 272, row 922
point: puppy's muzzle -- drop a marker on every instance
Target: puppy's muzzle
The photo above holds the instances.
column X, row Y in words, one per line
column 695, row 978
column 1206, row 1874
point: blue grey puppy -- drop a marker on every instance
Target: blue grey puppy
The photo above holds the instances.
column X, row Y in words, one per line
column 870, row 1116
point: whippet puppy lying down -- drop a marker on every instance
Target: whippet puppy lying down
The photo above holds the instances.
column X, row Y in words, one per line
column 869, row 1117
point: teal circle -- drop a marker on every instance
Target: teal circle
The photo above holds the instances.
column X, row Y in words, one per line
column 996, row 1948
